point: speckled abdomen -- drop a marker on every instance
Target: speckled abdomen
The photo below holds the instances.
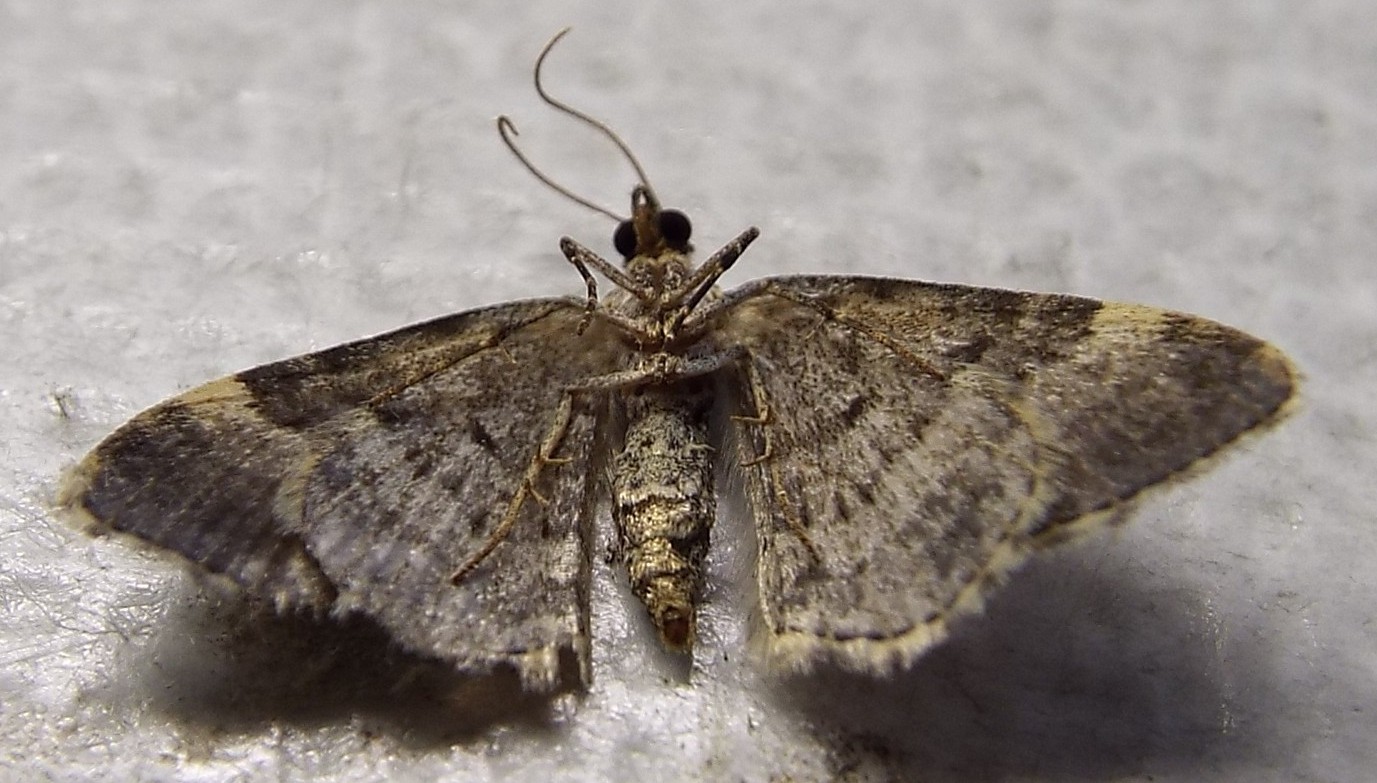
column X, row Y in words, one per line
column 663, row 501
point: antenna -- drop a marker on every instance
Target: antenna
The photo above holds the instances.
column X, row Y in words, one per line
column 507, row 130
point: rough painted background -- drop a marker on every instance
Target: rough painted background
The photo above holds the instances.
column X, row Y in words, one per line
column 190, row 188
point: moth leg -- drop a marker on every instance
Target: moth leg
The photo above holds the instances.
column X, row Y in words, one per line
column 591, row 283
column 661, row 368
column 699, row 284
column 766, row 458
column 544, row 456
column 541, row 499
column 761, row 418
column 547, row 460
column 582, row 258
column 706, row 276
column 766, row 453
column 630, row 326
column 795, row 524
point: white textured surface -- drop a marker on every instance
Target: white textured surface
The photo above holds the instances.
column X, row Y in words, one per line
column 191, row 188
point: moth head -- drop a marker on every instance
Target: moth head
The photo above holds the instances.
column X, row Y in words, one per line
column 652, row 231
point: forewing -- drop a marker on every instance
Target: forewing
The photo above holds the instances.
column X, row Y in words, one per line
column 919, row 440
column 362, row 477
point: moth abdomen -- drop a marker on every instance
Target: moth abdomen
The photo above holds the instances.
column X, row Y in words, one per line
column 663, row 504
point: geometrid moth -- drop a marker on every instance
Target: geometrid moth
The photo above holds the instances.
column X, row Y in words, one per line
column 903, row 446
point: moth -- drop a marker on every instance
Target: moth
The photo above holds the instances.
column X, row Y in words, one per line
column 903, row 446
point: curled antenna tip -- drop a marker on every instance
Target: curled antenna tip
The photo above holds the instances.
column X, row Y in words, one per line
column 507, row 130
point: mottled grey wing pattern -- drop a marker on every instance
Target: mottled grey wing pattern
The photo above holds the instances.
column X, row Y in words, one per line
column 361, row 477
column 975, row 425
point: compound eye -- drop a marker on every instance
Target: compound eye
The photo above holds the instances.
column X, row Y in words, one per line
column 624, row 239
column 675, row 229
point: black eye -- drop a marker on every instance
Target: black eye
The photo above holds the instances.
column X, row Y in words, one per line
column 624, row 239
column 675, row 228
